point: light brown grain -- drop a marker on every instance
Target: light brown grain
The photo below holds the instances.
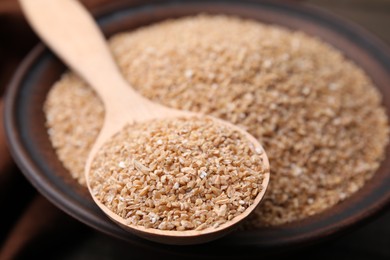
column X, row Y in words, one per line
column 146, row 174
column 317, row 114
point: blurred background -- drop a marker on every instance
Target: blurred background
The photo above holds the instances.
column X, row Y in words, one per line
column 30, row 226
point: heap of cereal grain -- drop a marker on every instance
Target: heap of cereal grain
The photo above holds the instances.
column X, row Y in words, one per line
column 178, row 174
column 317, row 114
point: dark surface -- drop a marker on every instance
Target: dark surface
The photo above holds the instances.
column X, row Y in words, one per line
column 41, row 230
column 33, row 153
column 370, row 242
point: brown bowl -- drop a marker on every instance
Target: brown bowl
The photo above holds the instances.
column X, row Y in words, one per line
column 31, row 148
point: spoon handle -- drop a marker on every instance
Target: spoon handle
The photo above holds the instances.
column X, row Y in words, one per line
column 71, row 32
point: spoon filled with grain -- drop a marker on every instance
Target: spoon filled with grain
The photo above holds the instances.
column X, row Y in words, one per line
column 167, row 175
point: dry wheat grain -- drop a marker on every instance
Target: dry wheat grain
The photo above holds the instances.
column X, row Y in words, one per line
column 162, row 174
column 317, row 114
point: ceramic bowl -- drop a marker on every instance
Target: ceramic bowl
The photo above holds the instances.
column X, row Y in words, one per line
column 31, row 148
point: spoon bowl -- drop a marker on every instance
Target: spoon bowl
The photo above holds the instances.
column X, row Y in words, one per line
column 186, row 237
column 81, row 45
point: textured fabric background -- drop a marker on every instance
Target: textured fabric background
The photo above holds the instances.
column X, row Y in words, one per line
column 31, row 227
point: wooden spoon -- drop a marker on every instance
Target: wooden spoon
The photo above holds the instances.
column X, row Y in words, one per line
column 73, row 35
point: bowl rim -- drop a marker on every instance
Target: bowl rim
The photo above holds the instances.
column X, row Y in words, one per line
column 67, row 204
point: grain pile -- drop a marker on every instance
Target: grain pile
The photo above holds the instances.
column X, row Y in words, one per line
column 315, row 112
column 178, row 174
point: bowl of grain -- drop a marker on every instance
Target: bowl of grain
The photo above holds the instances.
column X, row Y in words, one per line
column 312, row 88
